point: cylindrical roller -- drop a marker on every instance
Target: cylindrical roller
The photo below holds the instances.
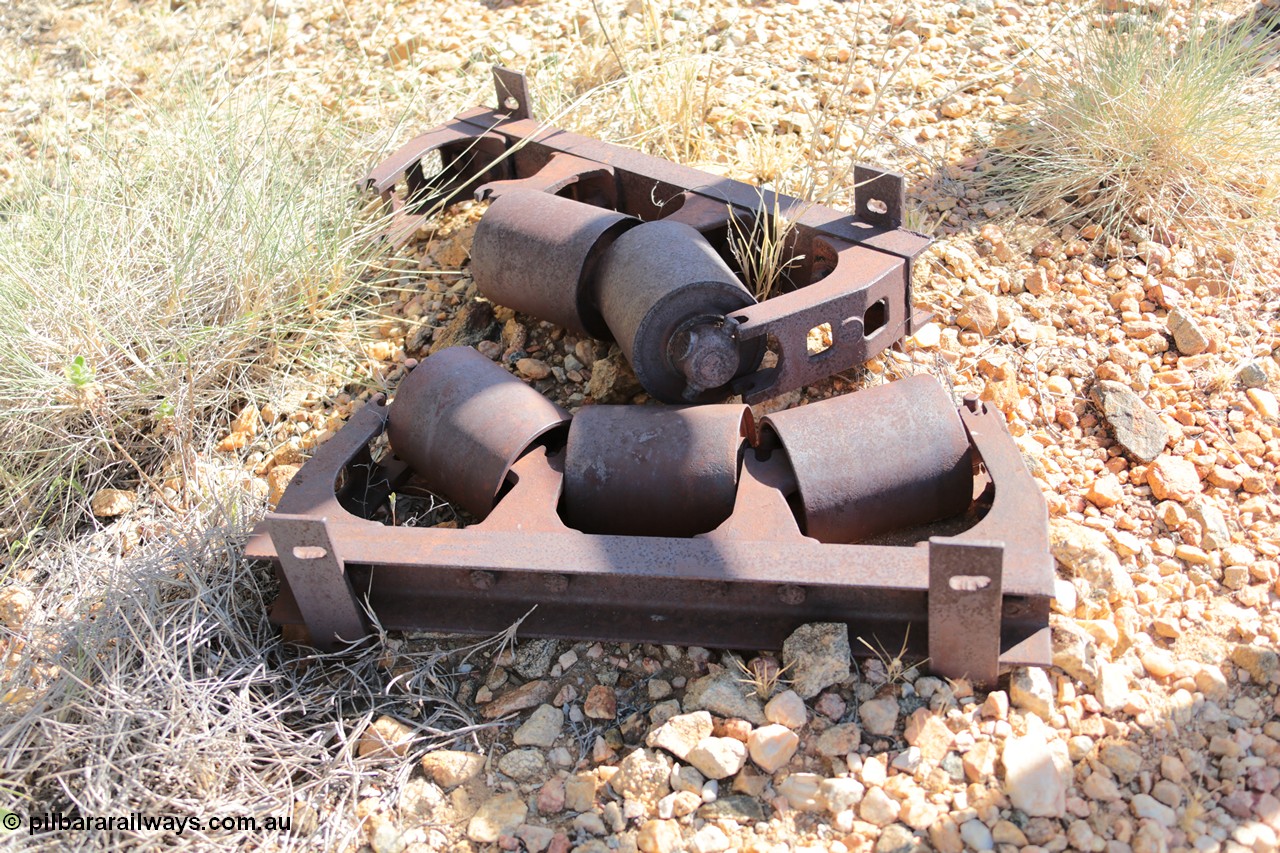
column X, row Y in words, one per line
column 461, row 421
column 648, row 471
column 535, row 252
column 665, row 293
column 884, row 459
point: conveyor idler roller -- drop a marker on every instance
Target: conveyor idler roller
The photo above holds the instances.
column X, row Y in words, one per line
column 864, row 464
column 462, row 422
column 658, row 288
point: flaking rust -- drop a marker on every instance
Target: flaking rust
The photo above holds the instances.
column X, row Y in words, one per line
column 888, row 509
column 607, row 241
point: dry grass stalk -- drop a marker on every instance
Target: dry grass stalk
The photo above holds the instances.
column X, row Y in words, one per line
column 155, row 684
column 762, row 245
column 148, row 288
column 1175, row 140
column 894, row 666
column 762, row 675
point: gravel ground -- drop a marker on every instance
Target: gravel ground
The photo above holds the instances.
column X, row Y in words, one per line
column 1138, row 377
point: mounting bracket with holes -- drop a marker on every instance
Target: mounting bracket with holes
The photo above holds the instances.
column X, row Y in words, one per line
column 810, row 536
column 850, row 271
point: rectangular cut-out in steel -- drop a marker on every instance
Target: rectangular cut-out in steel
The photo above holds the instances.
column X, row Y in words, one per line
column 964, row 606
column 836, row 265
column 747, row 585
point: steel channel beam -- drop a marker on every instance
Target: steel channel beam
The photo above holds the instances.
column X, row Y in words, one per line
column 730, row 588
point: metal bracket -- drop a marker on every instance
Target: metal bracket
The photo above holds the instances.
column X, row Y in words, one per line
column 965, row 599
column 879, row 196
column 513, row 93
column 562, row 171
column 318, row 576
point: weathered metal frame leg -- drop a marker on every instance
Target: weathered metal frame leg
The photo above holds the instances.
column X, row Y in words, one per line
column 965, row 602
column 318, row 578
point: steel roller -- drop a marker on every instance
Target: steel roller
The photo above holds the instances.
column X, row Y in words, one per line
column 537, row 252
column 884, row 459
column 653, row 471
column 461, row 421
column 667, row 296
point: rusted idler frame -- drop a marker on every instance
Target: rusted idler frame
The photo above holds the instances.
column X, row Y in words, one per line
column 852, row 272
column 972, row 603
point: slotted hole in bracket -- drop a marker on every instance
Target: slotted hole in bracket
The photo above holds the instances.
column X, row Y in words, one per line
column 875, row 318
column 819, row 340
column 309, row 552
column 968, row 583
column 875, row 205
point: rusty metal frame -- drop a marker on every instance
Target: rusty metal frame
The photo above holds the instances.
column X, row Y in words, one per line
column 850, row 271
column 973, row 602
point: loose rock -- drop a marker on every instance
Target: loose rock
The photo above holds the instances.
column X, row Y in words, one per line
column 721, row 693
column 386, row 737
column 1085, row 553
column 521, row 698
column 448, row 768
column 643, row 775
column 772, row 746
column 879, row 716
column 1036, row 777
column 497, row 817
column 787, row 708
column 1187, row 336
column 1173, row 478
column 817, row 655
column 878, row 807
column 109, row 503
column 718, row 757
column 523, row 765
column 541, row 729
column 1030, row 689
column 801, row 791
column 601, row 703
column 680, row 734
column 1137, row 428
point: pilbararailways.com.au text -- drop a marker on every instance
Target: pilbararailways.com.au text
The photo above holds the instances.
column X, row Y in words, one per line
column 138, row 822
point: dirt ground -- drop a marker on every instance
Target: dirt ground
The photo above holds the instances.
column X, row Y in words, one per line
column 1138, row 376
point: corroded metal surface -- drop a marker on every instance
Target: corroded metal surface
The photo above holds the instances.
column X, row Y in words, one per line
column 886, row 510
column 461, row 422
column 888, row 458
column 665, row 293
column 653, row 471
column 746, row 584
column 536, row 253
column 852, row 272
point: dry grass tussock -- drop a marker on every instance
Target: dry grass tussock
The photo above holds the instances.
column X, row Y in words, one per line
column 158, row 686
column 1161, row 134
column 154, row 281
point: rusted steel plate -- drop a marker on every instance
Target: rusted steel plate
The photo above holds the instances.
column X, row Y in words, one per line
column 311, row 564
column 653, row 471
column 964, row 595
column 461, row 422
column 888, row 458
column 536, row 253
column 860, row 299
